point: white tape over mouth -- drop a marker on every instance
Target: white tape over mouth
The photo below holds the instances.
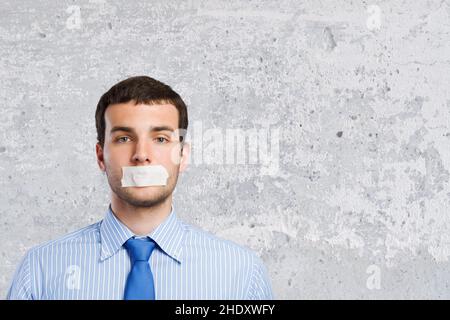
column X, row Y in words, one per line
column 144, row 176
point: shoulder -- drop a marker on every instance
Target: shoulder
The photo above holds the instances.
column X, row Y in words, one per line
column 88, row 234
column 207, row 242
column 29, row 274
column 241, row 261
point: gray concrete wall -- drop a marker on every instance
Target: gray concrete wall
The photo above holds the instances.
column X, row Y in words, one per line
column 354, row 200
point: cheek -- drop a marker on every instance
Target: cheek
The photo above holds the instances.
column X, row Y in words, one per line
column 158, row 153
column 165, row 152
column 167, row 162
column 172, row 157
column 114, row 157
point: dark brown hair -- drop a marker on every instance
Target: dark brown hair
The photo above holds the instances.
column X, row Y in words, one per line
column 140, row 89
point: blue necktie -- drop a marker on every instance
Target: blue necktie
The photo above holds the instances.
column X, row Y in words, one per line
column 140, row 284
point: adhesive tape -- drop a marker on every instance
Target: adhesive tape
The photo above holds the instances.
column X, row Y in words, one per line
column 144, row 176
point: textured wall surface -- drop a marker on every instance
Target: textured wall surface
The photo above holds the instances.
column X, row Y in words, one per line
column 353, row 96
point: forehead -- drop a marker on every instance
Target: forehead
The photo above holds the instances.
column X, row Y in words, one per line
column 141, row 114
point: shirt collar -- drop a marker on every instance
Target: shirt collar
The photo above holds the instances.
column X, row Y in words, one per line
column 168, row 235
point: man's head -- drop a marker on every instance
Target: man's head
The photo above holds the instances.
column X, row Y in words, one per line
column 141, row 121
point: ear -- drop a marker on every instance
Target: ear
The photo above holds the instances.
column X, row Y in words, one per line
column 185, row 154
column 100, row 158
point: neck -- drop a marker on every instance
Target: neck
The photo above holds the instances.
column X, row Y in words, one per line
column 140, row 220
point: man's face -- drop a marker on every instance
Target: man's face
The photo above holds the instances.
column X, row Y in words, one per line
column 139, row 135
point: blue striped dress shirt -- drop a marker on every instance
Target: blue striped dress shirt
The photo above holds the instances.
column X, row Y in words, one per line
column 188, row 263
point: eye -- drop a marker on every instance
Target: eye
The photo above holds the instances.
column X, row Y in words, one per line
column 161, row 140
column 121, row 139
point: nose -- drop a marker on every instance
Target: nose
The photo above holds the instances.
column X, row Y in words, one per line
column 141, row 153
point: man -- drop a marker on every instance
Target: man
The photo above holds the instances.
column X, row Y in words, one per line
column 141, row 250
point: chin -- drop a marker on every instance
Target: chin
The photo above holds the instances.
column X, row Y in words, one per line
column 148, row 188
column 146, row 193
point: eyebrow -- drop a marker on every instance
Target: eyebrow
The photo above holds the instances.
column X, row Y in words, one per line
column 131, row 130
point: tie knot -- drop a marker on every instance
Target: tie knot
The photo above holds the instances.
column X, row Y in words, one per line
column 140, row 249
